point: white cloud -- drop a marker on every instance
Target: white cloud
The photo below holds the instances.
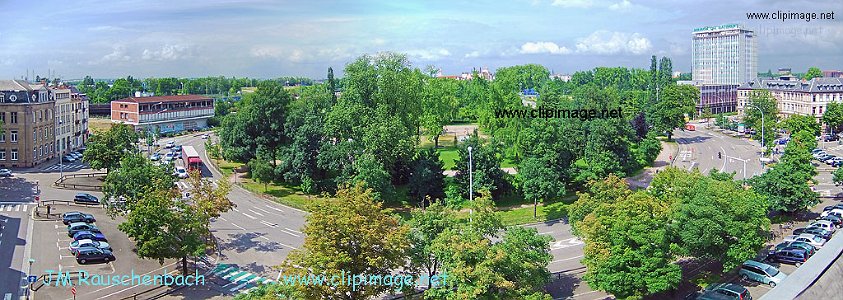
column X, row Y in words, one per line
column 118, row 53
column 299, row 55
column 105, row 28
column 572, row 3
column 429, row 54
column 623, row 5
column 267, row 52
column 472, row 54
column 378, row 41
column 7, row 62
column 543, row 47
column 167, row 52
column 605, row 42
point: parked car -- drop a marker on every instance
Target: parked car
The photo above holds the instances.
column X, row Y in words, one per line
column 813, row 230
column 795, row 245
column 76, row 217
column 169, row 156
column 825, row 157
column 815, row 241
column 73, row 228
column 837, row 220
column 761, row 272
column 816, row 150
column 820, row 153
column 181, row 172
column 91, row 254
column 782, row 141
column 76, row 155
column 155, row 156
column 790, row 256
column 205, row 136
column 5, row 173
column 85, row 198
column 824, row 225
column 836, row 211
column 730, row 290
column 170, row 144
column 834, row 161
column 177, row 148
column 87, row 235
column 75, row 245
column 836, row 206
column 67, row 158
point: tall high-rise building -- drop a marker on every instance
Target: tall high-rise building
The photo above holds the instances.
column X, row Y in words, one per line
column 725, row 54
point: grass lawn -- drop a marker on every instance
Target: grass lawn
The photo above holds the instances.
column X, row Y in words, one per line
column 289, row 196
column 517, row 215
column 448, row 156
column 99, row 124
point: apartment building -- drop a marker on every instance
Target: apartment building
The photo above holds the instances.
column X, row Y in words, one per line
column 71, row 118
column 27, row 137
column 795, row 97
column 725, row 54
column 163, row 114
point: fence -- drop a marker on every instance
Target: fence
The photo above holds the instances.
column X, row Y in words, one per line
column 60, row 182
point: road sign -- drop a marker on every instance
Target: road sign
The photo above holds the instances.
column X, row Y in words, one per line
column 32, row 278
column 73, row 291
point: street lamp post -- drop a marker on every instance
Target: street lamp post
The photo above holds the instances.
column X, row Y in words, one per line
column 762, row 130
column 470, row 183
column 29, row 290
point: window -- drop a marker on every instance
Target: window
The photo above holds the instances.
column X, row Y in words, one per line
column 2, row 115
column 2, row 154
column 35, row 152
column 35, row 135
column 13, row 117
column 14, row 136
column 14, row 154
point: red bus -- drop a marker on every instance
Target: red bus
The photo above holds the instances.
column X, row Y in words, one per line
column 191, row 158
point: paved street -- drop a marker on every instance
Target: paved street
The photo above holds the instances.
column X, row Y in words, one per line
column 698, row 149
column 16, row 196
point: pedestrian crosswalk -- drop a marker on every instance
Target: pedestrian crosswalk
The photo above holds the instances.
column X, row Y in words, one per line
column 8, row 207
column 238, row 280
column 73, row 166
column 183, row 185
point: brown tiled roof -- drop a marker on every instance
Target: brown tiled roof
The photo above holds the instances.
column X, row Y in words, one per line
column 165, row 99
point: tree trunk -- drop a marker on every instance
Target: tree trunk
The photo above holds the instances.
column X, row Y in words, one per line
column 436, row 142
column 184, row 265
column 535, row 208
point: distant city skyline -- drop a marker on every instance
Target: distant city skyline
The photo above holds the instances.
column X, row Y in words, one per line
column 265, row 39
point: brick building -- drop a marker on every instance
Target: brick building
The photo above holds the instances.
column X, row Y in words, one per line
column 164, row 114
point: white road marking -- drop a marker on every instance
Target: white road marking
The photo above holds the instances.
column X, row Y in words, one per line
column 290, row 233
column 293, row 230
column 566, row 259
column 268, row 224
column 257, row 213
column 275, row 208
column 565, row 243
column 261, row 209
column 238, row 226
column 250, row 217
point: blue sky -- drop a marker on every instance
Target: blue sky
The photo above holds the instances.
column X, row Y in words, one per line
column 262, row 38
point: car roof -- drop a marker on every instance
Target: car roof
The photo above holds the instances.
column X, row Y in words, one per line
column 88, row 248
column 83, row 241
column 77, row 224
column 756, row 264
column 70, row 213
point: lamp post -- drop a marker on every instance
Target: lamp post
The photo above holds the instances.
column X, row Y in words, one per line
column 762, row 129
column 470, row 182
column 29, row 290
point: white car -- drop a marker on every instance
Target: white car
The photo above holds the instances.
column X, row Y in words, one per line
column 827, row 225
column 205, row 136
column 181, row 172
column 170, row 144
column 814, row 240
column 836, row 211
column 169, row 156
column 5, row 173
column 74, row 245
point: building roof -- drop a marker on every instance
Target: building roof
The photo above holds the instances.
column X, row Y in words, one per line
column 15, row 85
column 816, row 85
column 176, row 98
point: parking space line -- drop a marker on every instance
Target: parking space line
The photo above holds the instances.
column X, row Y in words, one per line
column 566, row 259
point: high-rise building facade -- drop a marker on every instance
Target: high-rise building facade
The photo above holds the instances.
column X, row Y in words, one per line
column 725, row 54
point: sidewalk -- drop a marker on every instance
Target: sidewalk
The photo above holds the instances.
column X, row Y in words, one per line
column 663, row 160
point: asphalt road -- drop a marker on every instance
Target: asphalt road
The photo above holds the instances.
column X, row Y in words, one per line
column 16, row 196
column 698, row 149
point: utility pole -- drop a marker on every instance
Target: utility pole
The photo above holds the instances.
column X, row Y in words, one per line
column 470, row 183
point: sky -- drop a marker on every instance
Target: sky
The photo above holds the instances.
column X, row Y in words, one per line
column 265, row 39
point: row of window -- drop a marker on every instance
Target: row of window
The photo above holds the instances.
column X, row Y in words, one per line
column 13, row 135
column 37, row 152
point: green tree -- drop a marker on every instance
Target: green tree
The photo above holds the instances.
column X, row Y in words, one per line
column 351, row 234
column 105, row 149
column 135, row 177
column 675, row 102
column 427, row 182
column 438, row 104
column 796, row 123
column 515, row 267
column 261, row 171
column 425, row 225
column 166, row 229
column 487, row 173
column 833, row 115
column 539, row 181
column 763, row 100
column 786, row 185
column 813, row 72
column 259, row 121
column 837, row 176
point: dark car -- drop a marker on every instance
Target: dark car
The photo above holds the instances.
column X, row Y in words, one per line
column 177, row 148
column 91, row 254
column 729, row 290
column 87, row 235
column 796, row 245
column 85, row 198
column 73, row 228
column 836, row 206
column 789, row 255
column 837, row 220
column 813, row 230
column 75, row 217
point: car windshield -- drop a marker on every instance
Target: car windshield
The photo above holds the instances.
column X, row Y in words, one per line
column 771, row 271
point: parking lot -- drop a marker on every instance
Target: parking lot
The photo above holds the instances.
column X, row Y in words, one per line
column 51, row 253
